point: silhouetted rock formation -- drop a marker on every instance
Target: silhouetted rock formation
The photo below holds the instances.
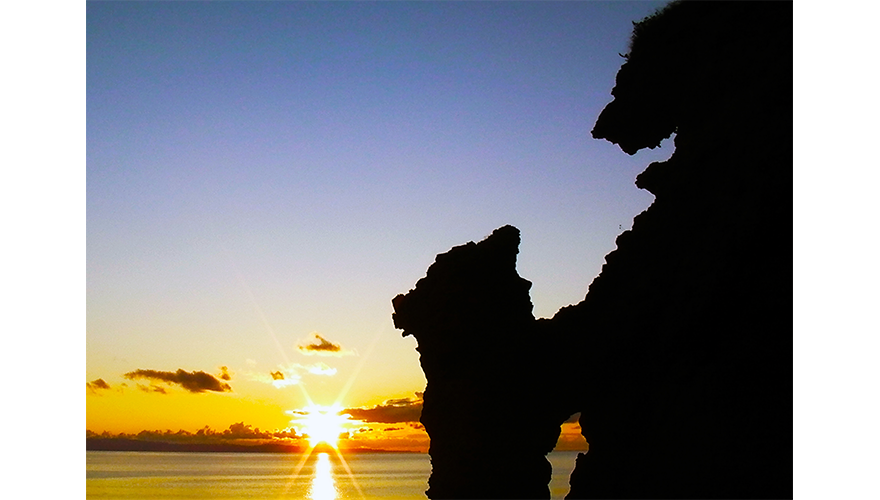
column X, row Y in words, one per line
column 472, row 317
column 686, row 335
column 682, row 348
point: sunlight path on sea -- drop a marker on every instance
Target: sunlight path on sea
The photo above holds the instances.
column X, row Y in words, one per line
column 114, row 475
column 323, row 486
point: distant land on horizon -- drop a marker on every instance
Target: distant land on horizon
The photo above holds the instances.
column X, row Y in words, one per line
column 127, row 444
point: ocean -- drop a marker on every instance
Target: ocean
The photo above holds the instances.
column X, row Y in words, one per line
column 126, row 475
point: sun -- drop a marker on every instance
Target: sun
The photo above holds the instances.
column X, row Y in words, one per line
column 323, row 424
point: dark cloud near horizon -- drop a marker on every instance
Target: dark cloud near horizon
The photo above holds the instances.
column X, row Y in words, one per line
column 237, row 431
column 317, row 344
column 224, row 373
column 241, row 430
column 391, row 411
column 195, row 382
column 279, row 375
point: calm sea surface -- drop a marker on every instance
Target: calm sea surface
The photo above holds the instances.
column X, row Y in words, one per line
column 149, row 475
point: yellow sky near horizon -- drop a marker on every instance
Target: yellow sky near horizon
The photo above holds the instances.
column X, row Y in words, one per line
column 312, row 370
column 318, row 372
column 129, row 409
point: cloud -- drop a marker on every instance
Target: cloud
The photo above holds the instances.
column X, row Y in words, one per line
column 283, row 377
column 191, row 381
column 320, row 369
column 407, row 436
column 316, row 344
column 224, row 373
column 290, row 374
column 236, row 432
column 152, row 388
column 391, row 411
column 96, row 385
column 241, row 430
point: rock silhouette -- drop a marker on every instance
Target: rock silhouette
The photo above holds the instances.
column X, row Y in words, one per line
column 472, row 317
column 680, row 356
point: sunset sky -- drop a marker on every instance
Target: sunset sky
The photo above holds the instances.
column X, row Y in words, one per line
column 506, row 101
column 263, row 178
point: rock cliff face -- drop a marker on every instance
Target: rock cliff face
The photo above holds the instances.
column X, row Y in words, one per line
column 691, row 316
column 680, row 357
column 472, row 317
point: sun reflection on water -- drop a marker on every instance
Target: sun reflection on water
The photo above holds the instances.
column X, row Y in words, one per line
column 323, row 486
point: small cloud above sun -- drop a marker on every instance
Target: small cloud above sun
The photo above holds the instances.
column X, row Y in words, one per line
column 315, row 344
